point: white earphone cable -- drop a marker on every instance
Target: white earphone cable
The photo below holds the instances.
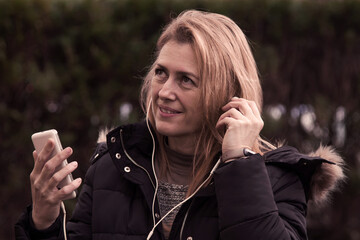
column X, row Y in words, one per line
column 185, row 200
column 152, row 164
column 62, row 205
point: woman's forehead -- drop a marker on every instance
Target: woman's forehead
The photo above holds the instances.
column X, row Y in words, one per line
column 179, row 57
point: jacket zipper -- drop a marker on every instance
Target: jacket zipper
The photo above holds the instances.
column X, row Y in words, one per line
column 133, row 161
column 141, row 167
column 185, row 218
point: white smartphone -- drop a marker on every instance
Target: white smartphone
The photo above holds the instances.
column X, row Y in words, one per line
column 39, row 140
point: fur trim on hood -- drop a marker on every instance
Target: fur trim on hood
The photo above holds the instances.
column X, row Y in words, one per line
column 102, row 135
column 326, row 179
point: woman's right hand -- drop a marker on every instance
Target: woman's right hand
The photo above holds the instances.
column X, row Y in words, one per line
column 46, row 197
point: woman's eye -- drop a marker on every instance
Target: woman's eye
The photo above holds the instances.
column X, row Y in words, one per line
column 159, row 72
column 187, row 81
column 160, row 75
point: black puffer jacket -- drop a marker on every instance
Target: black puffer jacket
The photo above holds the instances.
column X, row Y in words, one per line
column 259, row 197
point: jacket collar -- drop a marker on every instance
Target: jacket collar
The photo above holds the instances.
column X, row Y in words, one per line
column 320, row 177
column 136, row 137
column 320, row 172
column 289, row 155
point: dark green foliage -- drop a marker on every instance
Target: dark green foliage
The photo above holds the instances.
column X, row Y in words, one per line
column 70, row 65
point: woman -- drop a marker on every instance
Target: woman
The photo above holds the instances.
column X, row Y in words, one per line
column 196, row 168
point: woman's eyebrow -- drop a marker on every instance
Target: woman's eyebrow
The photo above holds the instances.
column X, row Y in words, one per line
column 180, row 72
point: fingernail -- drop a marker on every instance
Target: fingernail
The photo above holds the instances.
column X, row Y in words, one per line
column 78, row 180
column 68, row 150
column 74, row 163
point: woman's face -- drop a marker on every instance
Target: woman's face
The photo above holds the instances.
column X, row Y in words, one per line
column 176, row 94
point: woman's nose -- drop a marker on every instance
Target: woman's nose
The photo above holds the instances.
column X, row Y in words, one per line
column 168, row 89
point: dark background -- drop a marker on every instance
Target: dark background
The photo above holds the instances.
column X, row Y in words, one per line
column 77, row 65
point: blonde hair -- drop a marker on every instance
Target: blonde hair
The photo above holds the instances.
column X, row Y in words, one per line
column 226, row 69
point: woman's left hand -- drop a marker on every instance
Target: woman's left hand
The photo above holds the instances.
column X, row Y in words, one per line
column 242, row 122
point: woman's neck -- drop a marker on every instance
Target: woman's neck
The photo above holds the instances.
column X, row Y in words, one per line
column 182, row 145
column 179, row 168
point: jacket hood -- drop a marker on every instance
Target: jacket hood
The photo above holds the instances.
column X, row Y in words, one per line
column 323, row 174
column 321, row 171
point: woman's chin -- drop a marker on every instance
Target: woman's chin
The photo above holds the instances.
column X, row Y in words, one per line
column 165, row 130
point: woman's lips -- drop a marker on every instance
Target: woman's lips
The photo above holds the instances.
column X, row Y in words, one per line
column 166, row 111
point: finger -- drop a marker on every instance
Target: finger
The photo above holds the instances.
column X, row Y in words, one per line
column 40, row 158
column 50, row 166
column 35, row 156
column 33, row 173
column 234, row 103
column 255, row 115
column 232, row 113
column 66, row 192
column 61, row 174
column 255, row 109
column 224, row 122
column 245, row 106
column 221, row 125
